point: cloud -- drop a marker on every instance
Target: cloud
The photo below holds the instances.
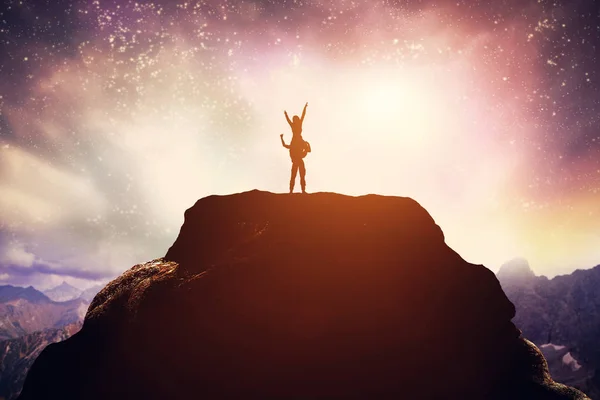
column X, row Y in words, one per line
column 36, row 193
column 44, row 281
column 100, row 189
column 14, row 253
column 19, row 260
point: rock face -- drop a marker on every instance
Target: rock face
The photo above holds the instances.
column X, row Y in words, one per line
column 17, row 356
column 300, row 296
column 563, row 311
column 566, row 369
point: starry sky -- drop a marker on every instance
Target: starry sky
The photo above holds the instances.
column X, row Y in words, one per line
column 116, row 116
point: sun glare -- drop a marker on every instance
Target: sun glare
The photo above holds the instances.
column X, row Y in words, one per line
column 382, row 103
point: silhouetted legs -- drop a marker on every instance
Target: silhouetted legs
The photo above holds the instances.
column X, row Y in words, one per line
column 298, row 165
column 302, row 176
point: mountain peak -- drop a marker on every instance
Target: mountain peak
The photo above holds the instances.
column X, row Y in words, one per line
column 63, row 292
column 515, row 270
column 9, row 293
column 322, row 295
column 65, row 285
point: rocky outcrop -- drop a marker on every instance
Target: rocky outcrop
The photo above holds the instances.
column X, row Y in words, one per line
column 566, row 369
column 300, row 296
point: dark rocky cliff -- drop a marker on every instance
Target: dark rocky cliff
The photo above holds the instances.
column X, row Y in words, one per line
column 300, row 296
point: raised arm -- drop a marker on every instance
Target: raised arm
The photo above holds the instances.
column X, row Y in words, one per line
column 288, row 118
column 283, row 143
column 304, row 112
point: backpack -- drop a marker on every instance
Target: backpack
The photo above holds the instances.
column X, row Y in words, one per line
column 305, row 148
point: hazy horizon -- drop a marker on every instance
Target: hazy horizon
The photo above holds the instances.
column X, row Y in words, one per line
column 84, row 284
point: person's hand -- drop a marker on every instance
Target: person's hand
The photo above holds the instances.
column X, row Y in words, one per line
column 285, row 112
column 306, row 105
column 281, row 136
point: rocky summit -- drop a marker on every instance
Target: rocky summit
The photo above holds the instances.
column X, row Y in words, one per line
column 317, row 296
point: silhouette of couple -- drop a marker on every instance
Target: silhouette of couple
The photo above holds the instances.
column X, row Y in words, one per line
column 298, row 149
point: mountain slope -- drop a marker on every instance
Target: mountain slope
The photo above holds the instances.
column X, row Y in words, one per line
column 17, row 356
column 26, row 310
column 292, row 296
column 11, row 293
column 563, row 311
column 88, row 294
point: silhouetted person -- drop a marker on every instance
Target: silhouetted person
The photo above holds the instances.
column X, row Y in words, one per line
column 298, row 149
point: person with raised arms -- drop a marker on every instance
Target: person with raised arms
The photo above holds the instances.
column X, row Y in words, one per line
column 298, row 147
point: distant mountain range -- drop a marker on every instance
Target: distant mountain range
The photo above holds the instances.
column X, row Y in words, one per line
column 63, row 292
column 29, row 321
column 561, row 316
column 11, row 293
column 66, row 292
column 27, row 310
